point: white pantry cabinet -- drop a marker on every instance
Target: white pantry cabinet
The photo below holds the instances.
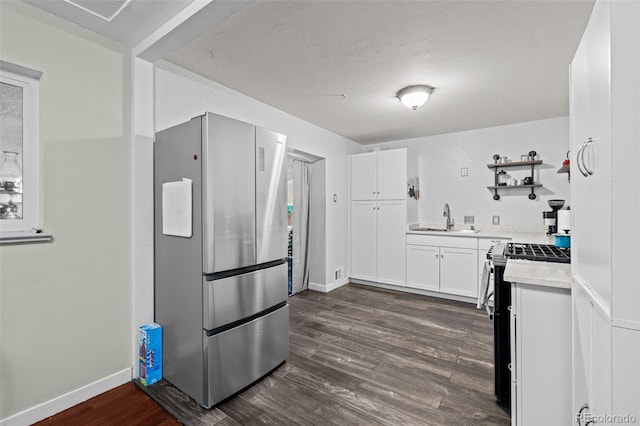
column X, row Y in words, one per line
column 379, row 175
column 605, row 203
column 443, row 264
column 379, row 213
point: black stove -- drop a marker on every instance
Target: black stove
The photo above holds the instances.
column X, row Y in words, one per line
column 538, row 252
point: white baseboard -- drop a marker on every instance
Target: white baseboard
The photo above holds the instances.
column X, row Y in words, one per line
column 326, row 288
column 68, row 400
column 416, row 291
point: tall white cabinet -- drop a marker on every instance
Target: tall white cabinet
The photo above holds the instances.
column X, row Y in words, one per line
column 605, row 149
column 379, row 213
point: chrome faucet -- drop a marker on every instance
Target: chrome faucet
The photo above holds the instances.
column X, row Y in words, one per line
column 447, row 213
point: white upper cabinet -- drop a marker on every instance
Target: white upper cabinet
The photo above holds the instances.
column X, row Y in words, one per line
column 392, row 174
column 605, row 182
column 591, row 152
column 379, row 175
column 363, row 176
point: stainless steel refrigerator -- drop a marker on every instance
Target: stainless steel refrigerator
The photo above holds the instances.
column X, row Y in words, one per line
column 221, row 277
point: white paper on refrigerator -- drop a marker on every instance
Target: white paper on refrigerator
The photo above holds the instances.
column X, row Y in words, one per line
column 177, row 208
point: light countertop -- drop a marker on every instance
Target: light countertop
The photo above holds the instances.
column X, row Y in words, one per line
column 516, row 235
column 548, row 274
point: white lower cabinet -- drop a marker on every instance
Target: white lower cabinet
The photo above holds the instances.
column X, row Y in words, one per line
column 592, row 361
column 378, row 240
column 458, row 271
column 363, row 240
column 391, row 240
column 626, row 374
column 540, row 355
column 423, row 267
column 443, row 264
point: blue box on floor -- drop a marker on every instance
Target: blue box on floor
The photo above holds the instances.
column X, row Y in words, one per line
column 150, row 353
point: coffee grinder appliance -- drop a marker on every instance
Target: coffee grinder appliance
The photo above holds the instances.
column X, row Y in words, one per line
column 551, row 218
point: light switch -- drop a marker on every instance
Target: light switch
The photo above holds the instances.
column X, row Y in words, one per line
column 335, row 198
column 496, row 220
column 464, row 172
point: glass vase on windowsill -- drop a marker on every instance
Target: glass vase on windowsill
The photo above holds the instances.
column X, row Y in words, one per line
column 11, row 186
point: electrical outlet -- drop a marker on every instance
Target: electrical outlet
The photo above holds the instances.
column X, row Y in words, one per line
column 464, row 172
column 338, row 273
column 496, row 220
column 468, row 219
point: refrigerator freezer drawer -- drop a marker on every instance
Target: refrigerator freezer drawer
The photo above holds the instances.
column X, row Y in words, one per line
column 231, row 299
column 239, row 356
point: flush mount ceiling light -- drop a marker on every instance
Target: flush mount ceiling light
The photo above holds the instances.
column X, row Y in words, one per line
column 414, row 96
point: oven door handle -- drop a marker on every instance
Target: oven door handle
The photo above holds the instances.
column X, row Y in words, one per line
column 487, row 307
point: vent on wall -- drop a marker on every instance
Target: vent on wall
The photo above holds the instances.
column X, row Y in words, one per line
column 104, row 9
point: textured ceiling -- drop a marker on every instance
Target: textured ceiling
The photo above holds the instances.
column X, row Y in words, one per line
column 338, row 64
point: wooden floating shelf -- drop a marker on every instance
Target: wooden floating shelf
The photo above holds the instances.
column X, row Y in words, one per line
column 514, row 164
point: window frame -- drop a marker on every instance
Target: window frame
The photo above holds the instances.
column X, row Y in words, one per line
column 32, row 173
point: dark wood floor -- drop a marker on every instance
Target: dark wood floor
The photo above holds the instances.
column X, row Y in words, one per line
column 363, row 355
column 124, row 405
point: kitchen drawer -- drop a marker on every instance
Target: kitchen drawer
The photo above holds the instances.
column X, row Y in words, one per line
column 443, row 241
column 237, row 357
column 231, row 299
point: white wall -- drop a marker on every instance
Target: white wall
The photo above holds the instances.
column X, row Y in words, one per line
column 441, row 157
column 65, row 307
column 181, row 95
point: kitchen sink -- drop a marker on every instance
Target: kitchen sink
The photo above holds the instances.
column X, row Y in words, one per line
column 450, row 231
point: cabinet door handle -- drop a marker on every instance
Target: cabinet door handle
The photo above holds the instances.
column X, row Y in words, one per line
column 579, row 158
column 584, row 163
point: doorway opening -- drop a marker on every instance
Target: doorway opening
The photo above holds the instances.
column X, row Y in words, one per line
column 306, row 219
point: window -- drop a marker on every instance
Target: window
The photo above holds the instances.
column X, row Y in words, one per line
column 20, row 165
